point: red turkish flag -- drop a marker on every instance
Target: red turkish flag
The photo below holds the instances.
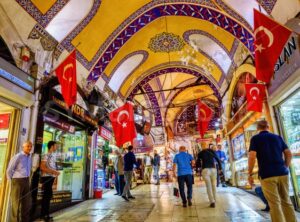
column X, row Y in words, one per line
column 66, row 74
column 122, row 120
column 269, row 40
column 205, row 114
column 256, row 94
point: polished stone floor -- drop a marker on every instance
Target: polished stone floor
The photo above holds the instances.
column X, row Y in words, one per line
column 156, row 204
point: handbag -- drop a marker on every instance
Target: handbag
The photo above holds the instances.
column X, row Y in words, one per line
column 175, row 190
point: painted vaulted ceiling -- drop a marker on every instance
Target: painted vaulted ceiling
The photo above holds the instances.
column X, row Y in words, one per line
column 163, row 54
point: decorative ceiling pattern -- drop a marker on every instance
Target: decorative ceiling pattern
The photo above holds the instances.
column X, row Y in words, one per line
column 42, row 18
column 166, row 42
column 267, row 5
column 165, row 54
column 195, row 11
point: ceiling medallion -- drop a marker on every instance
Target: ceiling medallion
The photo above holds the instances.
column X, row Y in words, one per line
column 166, row 42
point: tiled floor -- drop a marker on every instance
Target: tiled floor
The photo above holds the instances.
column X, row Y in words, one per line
column 156, row 204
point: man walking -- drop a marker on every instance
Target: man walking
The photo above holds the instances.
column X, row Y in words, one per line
column 117, row 182
column 49, row 172
column 156, row 166
column 269, row 150
column 129, row 161
column 184, row 162
column 148, row 161
column 18, row 172
column 222, row 157
column 206, row 160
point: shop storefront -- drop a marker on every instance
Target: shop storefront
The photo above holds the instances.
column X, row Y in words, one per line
column 16, row 93
column 72, row 129
column 240, row 129
column 104, row 179
column 284, row 93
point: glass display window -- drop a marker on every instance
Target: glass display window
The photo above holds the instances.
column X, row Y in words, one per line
column 289, row 117
column 4, row 133
column 70, row 161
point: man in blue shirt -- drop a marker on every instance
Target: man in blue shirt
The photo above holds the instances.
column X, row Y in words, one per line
column 222, row 157
column 129, row 161
column 184, row 162
column 18, row 172
column 269, row 150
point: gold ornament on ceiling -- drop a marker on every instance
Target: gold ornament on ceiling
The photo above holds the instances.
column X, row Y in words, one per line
column 166, row 42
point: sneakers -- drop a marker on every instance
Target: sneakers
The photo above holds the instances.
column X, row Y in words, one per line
column 267, row 209
column 190, row 202
column 184, row 204
column 212, row 205
column 131, row 197
column 125, row 198
column 116, row 194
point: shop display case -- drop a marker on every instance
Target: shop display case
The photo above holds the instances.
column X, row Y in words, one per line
column 241, row 172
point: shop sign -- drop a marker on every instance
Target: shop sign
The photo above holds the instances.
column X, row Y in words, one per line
column 200, row 140
column 4, row 121
column 58, row 197
column 3, row 140
column 287, row 64
column 105, row 133
column 142, row 149
column 78, row 111
column 19, row 78
column 60, row 124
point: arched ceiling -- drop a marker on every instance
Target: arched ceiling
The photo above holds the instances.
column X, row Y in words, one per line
column 163, row 54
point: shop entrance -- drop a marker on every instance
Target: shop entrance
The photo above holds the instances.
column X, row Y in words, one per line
column 9, row 130
column 289, row 118
column 71, row 161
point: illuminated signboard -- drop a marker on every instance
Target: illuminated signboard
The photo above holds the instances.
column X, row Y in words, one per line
column 16, row 76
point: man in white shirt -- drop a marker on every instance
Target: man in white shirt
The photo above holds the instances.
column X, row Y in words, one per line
column 148, row 162
column 49, row 172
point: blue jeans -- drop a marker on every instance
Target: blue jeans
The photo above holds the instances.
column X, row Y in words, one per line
column 156, row 173
column 121, row 184
column 104, row 179
column 260, row 194
column 117, row 183
column 188, row 179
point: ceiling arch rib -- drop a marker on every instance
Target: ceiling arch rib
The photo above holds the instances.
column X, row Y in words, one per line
column 152, row 97
column 196, row 11
column 164, row 69
column 127, row 66
column 154, row 104
column 176, row 69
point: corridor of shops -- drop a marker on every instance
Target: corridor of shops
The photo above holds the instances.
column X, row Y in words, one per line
column 107, row 107
column 157, row 203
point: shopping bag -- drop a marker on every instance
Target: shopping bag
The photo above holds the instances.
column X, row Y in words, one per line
column 175, row 190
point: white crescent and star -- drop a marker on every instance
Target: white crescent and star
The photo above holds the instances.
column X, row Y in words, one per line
column 124, row 123
column 68, row 66
column 268, row 33
column 254, row 89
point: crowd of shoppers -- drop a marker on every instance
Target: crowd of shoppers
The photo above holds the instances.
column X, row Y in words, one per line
column 271, row 152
